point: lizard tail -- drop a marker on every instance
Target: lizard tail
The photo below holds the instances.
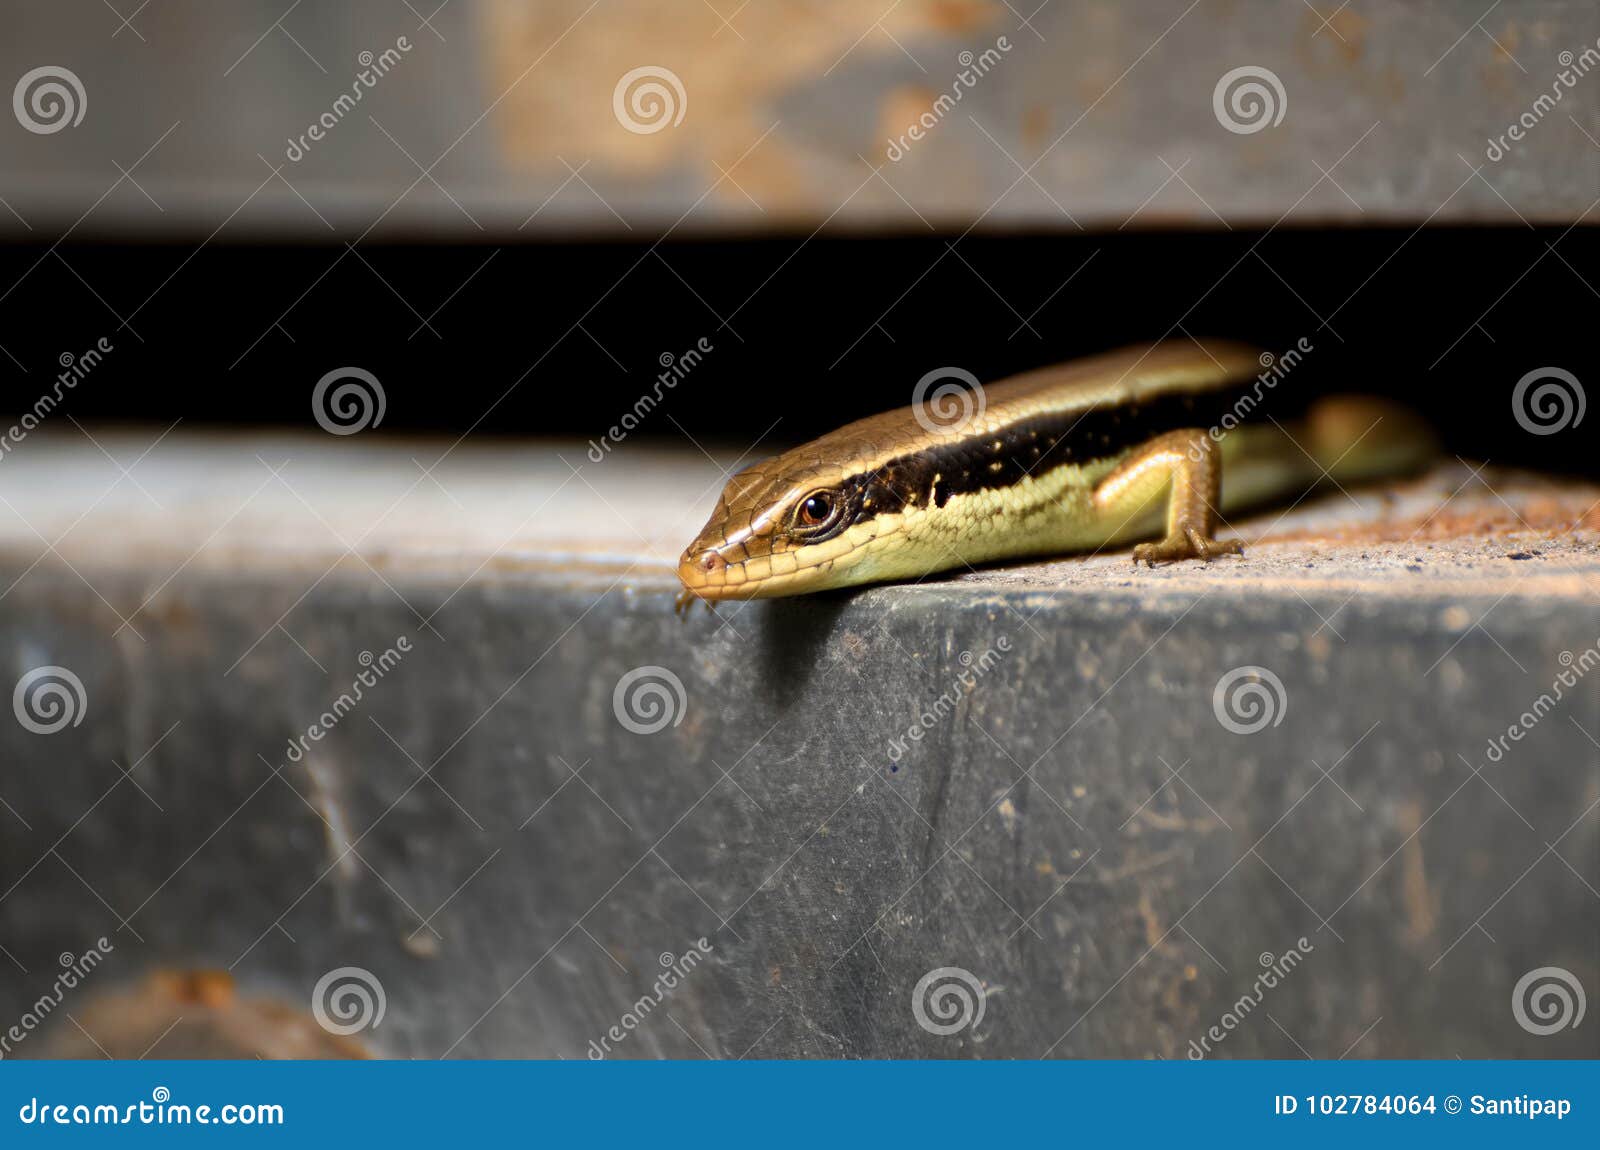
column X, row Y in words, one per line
column 1342, row 438
column 1360, row 437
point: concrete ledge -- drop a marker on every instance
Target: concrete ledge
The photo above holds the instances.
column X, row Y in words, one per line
column 1075, row 823
column 781, row 112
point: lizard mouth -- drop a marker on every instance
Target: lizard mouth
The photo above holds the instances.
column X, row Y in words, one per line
column 703, row 572
column 707, row 574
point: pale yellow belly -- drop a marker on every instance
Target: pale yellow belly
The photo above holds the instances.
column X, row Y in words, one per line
column 1054, row 513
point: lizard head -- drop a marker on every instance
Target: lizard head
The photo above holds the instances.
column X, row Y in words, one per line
column 785, row 526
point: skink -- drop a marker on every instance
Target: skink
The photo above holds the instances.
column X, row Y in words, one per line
column 1077, row 457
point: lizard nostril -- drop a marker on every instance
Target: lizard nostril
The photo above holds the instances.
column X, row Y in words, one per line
column 711, row 561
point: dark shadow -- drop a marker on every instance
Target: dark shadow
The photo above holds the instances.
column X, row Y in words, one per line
column 790, row 635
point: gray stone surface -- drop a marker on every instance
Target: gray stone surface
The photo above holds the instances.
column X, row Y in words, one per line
column 1107, row 106
column 1077, row 828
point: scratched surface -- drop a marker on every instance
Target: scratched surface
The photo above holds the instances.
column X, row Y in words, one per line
column 1076, row 828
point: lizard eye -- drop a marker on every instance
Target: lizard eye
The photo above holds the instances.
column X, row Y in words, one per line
column 815, row 509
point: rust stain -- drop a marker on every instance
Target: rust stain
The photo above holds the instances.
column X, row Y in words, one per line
column 1351, row 33
column 1415, row 894
column 955, row 17
column 196, row 1013
column 901, row 107
column 1553, row 510
column 1509, row 40
column 172, row 613
column 1338, row 37
column 855, row 643
column 1035, row 126
column 1164, row 820
column 1483, row 523
column 209, row 988
column 1394, row 85
column 1179, row 994
column 732, row 82
column 1153, row 933
column 1501, row 71
column 1142, row 864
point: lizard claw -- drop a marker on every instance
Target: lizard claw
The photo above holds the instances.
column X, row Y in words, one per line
column 1189, row 544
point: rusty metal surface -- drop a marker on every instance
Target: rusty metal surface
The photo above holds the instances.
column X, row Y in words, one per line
column 514, row 856
column 192, row 1014
column 502, row 118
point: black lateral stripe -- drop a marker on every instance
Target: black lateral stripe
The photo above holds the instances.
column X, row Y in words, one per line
column 1035, row 445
